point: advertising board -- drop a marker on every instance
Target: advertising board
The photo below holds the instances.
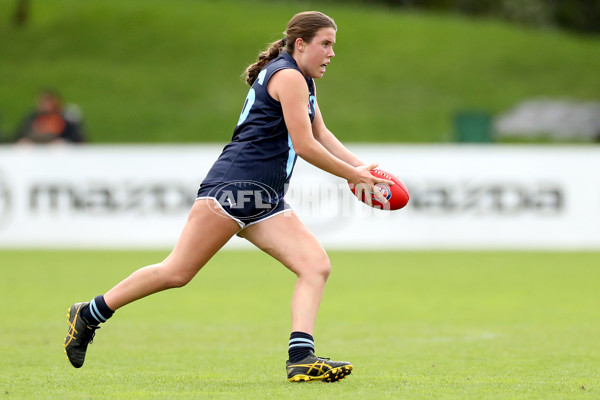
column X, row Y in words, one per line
column 462, row 197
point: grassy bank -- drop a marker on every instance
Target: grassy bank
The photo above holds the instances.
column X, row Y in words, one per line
column 155, row 71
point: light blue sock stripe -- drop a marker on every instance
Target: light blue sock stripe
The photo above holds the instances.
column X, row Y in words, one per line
column 301, row 345
column 302, row 340
column 102, row 318
column 95, row 312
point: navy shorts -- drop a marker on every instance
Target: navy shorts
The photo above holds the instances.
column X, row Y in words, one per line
column 246, row 202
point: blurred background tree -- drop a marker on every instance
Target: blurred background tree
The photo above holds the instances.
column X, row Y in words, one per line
column 576, row 15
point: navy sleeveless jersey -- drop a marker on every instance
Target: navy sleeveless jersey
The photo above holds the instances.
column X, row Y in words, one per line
column 261, row 149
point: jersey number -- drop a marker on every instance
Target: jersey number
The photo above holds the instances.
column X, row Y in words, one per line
column 251, row 98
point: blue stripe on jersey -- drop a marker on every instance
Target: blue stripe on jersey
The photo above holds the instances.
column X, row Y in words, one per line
column 291, row 158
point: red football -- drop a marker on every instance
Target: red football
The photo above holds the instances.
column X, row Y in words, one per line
column 396, row 195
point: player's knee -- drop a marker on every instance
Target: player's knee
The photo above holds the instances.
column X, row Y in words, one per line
column 325, row 266
column 178, row 280
column 317, row 267
column 325, row 269
column 174, row 277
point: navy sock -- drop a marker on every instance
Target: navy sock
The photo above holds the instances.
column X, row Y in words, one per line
column 301, row 345
column 97, row 311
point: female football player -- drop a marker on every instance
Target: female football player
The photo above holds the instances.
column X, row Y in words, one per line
column 243, row 194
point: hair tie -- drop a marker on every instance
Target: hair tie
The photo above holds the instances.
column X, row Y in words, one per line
column 283, row 41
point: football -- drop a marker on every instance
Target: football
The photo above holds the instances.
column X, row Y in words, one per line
column 396, row 195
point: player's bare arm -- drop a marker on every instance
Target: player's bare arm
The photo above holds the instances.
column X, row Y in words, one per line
column 289, row 88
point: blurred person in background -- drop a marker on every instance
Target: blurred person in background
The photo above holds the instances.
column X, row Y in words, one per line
column 51, row 122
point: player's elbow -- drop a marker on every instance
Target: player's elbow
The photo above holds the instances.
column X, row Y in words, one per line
column 304, row 150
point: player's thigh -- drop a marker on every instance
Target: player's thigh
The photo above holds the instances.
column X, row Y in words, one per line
column 287, row 239
column 207, row 230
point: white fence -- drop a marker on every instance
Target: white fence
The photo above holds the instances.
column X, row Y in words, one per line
column 462, row 197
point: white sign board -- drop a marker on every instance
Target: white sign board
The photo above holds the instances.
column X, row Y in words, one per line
column 462, row 197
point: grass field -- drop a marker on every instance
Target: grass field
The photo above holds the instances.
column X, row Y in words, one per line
column 416, row 325
column 157, row 71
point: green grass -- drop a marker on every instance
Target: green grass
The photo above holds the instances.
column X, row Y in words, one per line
column 156, row 71
column 416, row 325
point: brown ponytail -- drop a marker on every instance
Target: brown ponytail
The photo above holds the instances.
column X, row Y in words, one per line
column 302, row 25
column 263, row 59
